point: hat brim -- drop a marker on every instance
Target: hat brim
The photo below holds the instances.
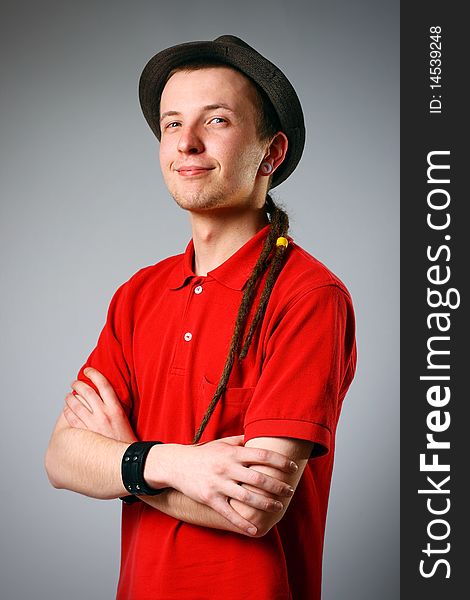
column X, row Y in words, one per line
column 233, row 52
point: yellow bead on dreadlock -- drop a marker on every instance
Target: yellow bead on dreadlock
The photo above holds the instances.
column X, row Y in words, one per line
column 282, row 241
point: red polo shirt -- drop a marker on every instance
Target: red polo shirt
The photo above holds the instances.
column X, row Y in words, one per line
column 163, row 349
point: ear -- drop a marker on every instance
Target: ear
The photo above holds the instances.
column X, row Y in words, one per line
column 275, row 154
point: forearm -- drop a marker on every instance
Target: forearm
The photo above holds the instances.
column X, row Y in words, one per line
column 167, row 466
column 177, row 505
column 163, row 460
column 85, row 462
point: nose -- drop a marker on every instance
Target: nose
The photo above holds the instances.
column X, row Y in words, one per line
column 190, row 141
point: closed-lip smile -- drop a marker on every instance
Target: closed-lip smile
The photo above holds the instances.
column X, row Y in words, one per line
column 188, row 170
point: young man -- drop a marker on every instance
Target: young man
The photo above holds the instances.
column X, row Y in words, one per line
column 216, row 385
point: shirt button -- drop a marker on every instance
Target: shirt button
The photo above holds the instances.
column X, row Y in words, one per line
column 188, row 336
column 198, row 289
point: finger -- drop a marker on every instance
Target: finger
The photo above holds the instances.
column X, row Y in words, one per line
column 78, row 408
column 72, row 419
column 84, row 390
column 265, row 503
column 105, row 389
column 262, row 481
column 270, row 458
column 222, row 506
column 85, row 403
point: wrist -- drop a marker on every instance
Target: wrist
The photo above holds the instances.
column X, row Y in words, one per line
column 132, row 469
column 157, row 469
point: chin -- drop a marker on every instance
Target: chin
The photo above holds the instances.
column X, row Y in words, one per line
column 201, row 200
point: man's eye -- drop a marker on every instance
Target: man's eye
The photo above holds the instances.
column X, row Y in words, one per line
column 217, row 120
column 171, row 125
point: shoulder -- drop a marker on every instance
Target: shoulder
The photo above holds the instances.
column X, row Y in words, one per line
column 305, row 275
column 156, row 273
column 146, row 279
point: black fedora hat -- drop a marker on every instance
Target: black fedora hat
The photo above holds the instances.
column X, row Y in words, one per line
column 234, row 52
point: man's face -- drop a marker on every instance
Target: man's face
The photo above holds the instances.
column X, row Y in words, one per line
column 210, row 152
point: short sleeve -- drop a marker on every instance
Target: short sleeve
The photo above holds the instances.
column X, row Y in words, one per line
column 309, row 362
column 109, row 355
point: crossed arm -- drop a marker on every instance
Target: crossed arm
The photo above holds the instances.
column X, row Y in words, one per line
column 221, row 484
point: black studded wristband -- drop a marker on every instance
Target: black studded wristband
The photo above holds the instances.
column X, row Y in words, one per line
column 132, row 470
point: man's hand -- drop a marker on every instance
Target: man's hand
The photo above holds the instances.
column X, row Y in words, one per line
column 299, row 451
column 211, row 474
column 101, row 413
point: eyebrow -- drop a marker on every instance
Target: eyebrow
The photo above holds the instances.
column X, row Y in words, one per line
column 172, row 113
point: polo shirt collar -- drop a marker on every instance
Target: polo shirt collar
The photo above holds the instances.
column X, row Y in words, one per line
column 233, row 273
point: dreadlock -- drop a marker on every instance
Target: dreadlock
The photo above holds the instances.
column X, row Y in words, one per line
column 279, row 227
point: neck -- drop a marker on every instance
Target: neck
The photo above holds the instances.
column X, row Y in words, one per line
column 217, row 236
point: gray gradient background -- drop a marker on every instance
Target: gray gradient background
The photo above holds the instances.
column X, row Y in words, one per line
column 83, row 207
